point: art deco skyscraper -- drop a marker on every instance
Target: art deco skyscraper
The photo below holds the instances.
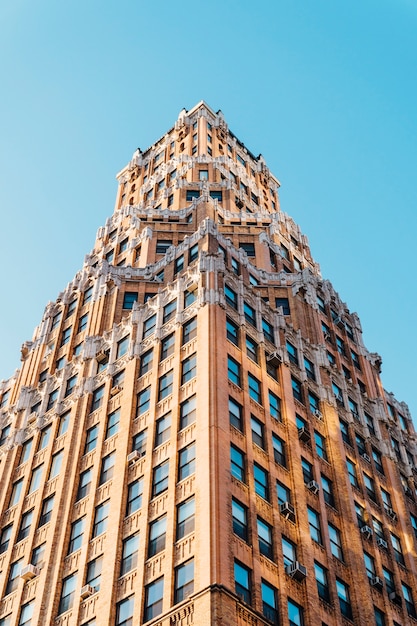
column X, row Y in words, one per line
column 197, row 434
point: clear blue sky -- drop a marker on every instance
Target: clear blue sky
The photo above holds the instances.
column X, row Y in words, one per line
column 325, row 90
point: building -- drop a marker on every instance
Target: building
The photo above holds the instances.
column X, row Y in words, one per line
column 197, row 434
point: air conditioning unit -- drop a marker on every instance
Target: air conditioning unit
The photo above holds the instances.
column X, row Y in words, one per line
column 101, row 356
column 366, row 457
column 391, row 513
column 381, row 543
column 133, row 456
column 303, row 434
column 29, row 571
column 86, row 591
column 377, row 582
column 318, row 414
column 313, row 486
column 274, row 359
column 115, row 389
column 367, row 531
column 395, row 597
column 296, row 571
column 287, row 510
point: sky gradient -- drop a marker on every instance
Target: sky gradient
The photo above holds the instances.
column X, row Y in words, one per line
column 326, row 91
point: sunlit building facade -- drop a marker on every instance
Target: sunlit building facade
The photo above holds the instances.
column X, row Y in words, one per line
column 197, row 434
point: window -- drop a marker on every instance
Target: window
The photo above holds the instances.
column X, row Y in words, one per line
column 14, row 574
column 369, row 486
column 264, row 538
column 190, row 296
column 242, row 582
column 187, row 412
column 100, row 518
column 269, row 602
column 160, row 478
column 107, row 468
column 191, row 194
column 289, row 551
column 240, row 519
column 322, row 581
column 295, row 614
column 186, row 462
column 251, row 349
column 122, row 347
column 309, row 368
column 129, row 299
column 396, row 546
column 162, row 429
column 67, row 593
column 386, row 499
column 254, row 388
column 338, row 394
column 327, row 487
column 378, row 529
column 274, row 406
column 25, row 523
column 94, row 573
column 189, row 369
column 353, row 408
column 88, row 293
column 63, row 424
column 179, row 264
column 235, row 414
column 248, row 247
column 66, row 334
column 307, row 469
column 235, row 264
column 278, row 446
column 82, row 323
column 379, row 617
column 344, row 429
column 129, row 554
column 97, row 398
column 193, row 253
column 233, row 370
column 189, row 330
column 5, row 536
column 292, row 353
column 389, row 580
column 232, row 331
column 261, row 481
column 165, row 385
column 335, row 542
column 250, row 314
column 185, row 518
column 297, row 390
column 91, row 439
column 162, row 245
column 154, row 593
column 4, row 434
column 237, row 463
column 134, row 496
column 46, row 511
column 76, row 536
column 167, row 346
column 351, row 467
column 149, row 326
column 53, row 397
column 413, row 519
column 35, row 480
column 146, row 362
column 320, row 442
column 268, row 330
column 84, row 484
column 231, row 297
column 184, row 581
column 284, row 304
column 313, row 403
column 26, row 614
column 396, row 447
column 314, row 525
column 342, row 591
column 408, row 598
column 369, row 565
column 124, row 612
column 38, row 554
column 143, row 402
column 16, row 491
column 283, row 493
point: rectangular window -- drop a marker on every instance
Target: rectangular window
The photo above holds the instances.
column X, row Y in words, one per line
column 122, row 347
column 166, row 383
column 269, row 602
column 237, row 463
column 344, row 429
column 292, row 353
column 232, row 331
column 322, row 581
column 35, row 480
column 93, row 574
column 369, row 487
column 134, row 496
column 307, row 469
column 274, row 406
column 91, row 439
column 143, row 401
column 335, row 542
column 163, row 429
column 100, row 518
column 67, row 598
column 162, row 245
column 186, row 462
column 154, row 593
column 5, row 536
column 113, row 423
column 26, row 614
column 240, row 519
column 149, row 326
column 88, row 294
column 189, row 330
column 309, row 368
column 191, row 194
column 268, row 330
column 233, row 370
column 320, row 442
column 63, row 424
column 167, row 346
column 231, row 297
column 185, row 518
column 97, row 398
column 284, row 304
column 297, row 390
column 327, row 487
column 129, row 554
column 243, row 582
column 351, row 467
column 169, row 311
column 265, row 538
column 129, row 299
column 251, row 349
column 295, row 614
column 146, row 362
column 56, row 464
column 76, row 536
column 53, row 397
column 16, row 492
column 107, row 468
column 184, row 581
column 235, row 414
column 278, row 446
column 314, row 525
column 193, row 253
column 190, row 296
column 261, row 481
column 124, row 612
column 313, row 403
column 250, row 314
column 66, row 334
column 254, row 388
column 84, row 484
column 25, row 523
column 82, row 323
column 46, row 511
column 187, row 412
column 189, row 369
column 396, row 545
column 160, row 478
column 179, row 264
column 344, row 598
